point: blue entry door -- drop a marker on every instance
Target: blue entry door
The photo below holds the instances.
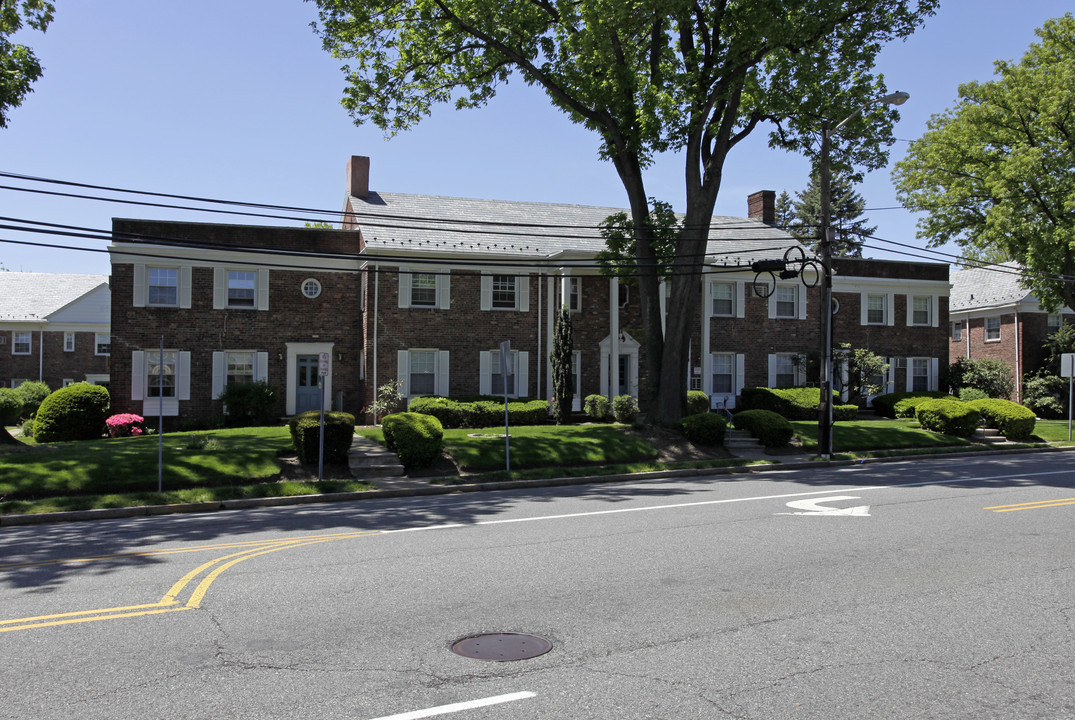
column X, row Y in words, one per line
column 307, row 393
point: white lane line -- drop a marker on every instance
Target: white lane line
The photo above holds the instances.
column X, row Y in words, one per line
column 700, row 503
column 459, row 707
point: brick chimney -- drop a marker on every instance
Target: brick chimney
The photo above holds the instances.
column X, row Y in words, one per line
column 762, row 205
column 358, row 176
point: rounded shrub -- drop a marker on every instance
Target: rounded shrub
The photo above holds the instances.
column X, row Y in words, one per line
column 885, row 405
column 624, row 409
column 33, row 393
column 125, row 425
column 306, row 435
column 76, row 412
column 1013, row 420
column 416, row 438
column 704, row 428
column 772, row 429
column 697, row 402
column 948, row 416
column 250, row 404
column 597, row 407
column 846, row 413
column 10, row 406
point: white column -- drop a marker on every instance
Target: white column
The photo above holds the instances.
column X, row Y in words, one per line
column 614, row 336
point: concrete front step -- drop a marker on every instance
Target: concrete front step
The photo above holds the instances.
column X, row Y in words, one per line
column 368, row 459
column 741, row 440
column 990, row 436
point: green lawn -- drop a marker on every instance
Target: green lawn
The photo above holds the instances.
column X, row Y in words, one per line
column 875, row 435
column 1052, row 430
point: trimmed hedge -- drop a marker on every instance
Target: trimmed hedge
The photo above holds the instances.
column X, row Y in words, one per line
column 33, row 393
column 10, row 406
column 1013, row 420
column 624, row 409
column 704, row 428
column 798, row 403
column 697, row 402
column 771, row 428
column 908, row 406
column 417, row 438
column 948, row 416
column 885, row 405
column 597, row 407
column 306, row 435
column 453, row 413
column 76, row 412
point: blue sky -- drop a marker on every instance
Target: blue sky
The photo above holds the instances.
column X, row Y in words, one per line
column 237, row 100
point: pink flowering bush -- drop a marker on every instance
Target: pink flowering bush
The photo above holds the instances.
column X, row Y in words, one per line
column 125, row 425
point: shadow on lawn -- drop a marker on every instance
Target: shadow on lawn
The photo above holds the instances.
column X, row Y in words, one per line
column 37, row 558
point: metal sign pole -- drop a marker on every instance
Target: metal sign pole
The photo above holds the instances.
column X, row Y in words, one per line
column 1067, row 369
column 506, row 371
column 160, row 418
column 322, row 371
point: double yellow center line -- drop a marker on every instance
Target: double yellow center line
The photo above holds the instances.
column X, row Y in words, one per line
column 1032, row 505
column 172, row 600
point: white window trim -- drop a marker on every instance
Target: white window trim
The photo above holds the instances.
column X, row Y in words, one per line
column 889, row 308
column 97, row 344
column 932, row 310
column 522, row 292
column 800, row 303
column 443, row 291
column 440, row 370
column 799, row 369
column 153, row 407
column 985, row 330
column 69, row 341
column 627, row 346
column 293, row 352
column 737, row 298
column 908, row 379
column 15, row 341
column 520, row 365
column 956, row 333
column 97, row 379
column 141, row 285
column 220, row 369
column 738, row 379
column 220, row 288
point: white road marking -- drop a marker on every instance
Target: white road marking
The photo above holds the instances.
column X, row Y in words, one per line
column 459, row 707
column 814, row 507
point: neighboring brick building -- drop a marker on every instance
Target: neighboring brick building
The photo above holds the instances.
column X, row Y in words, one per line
column 993, row 316
column 54, row 328
column 424, row 289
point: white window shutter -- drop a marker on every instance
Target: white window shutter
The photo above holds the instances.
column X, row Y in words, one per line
column 934, row 370
column 522, row 375
column 934, row 309
column 404, row 288
column 800, row 296
column 263, row 289
column 182, row 375
column 261, row 367
column 890, row 309
column 707, row 300
column 403, row 371
column 138, row 375
column 740, row 373
column 485, row 373
column 740, row 300
column 910, row 310
column 522, row 292
column 220, row 289
column 442, row 373
column 772, row 370
column 220, row 367
column 800, row 372
column 139, row 288
column 444, row 292
column 184, row 286
column 771, row 300
column 487, row 292
column 578, row 293
column 908, row 380
column 864, row 306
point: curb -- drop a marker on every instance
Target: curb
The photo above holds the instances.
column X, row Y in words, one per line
column 251, row 503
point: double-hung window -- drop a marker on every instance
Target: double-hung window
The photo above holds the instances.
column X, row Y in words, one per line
column 240, row 367
column 957, row 330
column 920, row 374
column 423, row 290
column 723, row 373
column 423, row 372
column 724, row 299
column 68, row 342
column 920, row 310
column 785, row 371
column 102, row 344
column 160, row 373
column 162, row 287
column 21, row 343
column 1053, row 322
column 787, row 301
column 875, row 309
column 504, row 292
column 992, row 329
column 242, row 289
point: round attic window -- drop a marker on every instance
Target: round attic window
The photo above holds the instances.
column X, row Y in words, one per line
column 311, row 288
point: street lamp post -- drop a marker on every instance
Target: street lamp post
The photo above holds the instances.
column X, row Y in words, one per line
column 824, row 419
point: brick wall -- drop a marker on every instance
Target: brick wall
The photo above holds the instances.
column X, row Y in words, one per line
column 58, row 365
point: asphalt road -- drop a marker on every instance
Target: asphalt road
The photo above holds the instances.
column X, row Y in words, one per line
column 925, row 589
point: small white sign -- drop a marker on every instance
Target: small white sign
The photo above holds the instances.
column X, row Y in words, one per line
column 1067, row 365
column 507, row 368
column 322, row 366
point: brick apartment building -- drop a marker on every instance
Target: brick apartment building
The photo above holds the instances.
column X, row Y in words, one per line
column 54, row 328
column 424, row 289
column 993, row 316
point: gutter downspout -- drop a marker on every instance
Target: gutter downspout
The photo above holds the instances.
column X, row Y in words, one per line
column 376, row 297
column 41, row 353
column 539, row 283
column 1018, row 355
column 966, row 338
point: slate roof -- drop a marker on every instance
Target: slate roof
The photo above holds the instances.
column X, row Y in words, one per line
column 986, row 287
column 528, row 231
column 32, row 297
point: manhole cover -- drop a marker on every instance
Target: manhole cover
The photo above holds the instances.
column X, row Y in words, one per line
column 502, row 646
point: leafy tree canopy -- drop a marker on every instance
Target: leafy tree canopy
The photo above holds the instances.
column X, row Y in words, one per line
column 996, row 173
column 802, row 216
column 19, row 67
column 646, row 76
